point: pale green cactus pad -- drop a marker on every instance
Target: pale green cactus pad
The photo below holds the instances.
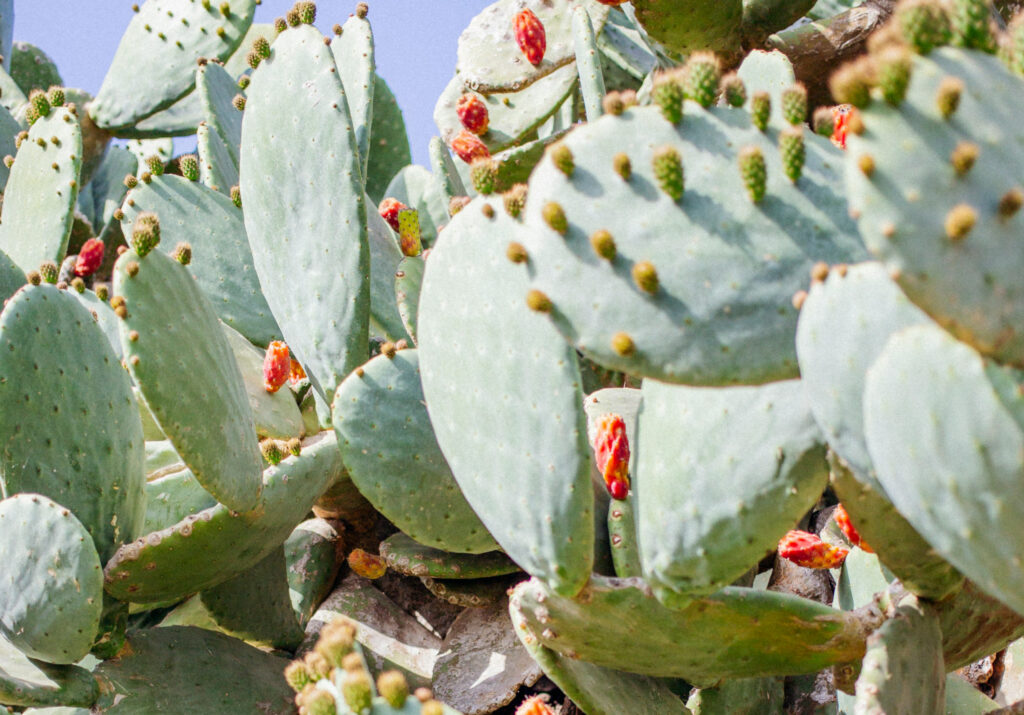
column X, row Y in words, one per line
column 389, row 142
column 172, row 497
column 25, row 682
column 409, row 557
column 353, row 53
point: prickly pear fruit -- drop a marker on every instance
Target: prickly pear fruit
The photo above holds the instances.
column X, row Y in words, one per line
column 530, row 36
column 393, row 687
column 535, row 705
column 409, row 236
column 357, row 691
column 754, row 172
column 840, row 117
column 276, row 366
column 145, row 233
column 337, row 639
column 271, row 451
column 389, row 209
column 848, row 529
column 808, row 550
column 90, row 257
column 366, row 564
column 611, row 452
column 760, row 110
column 49, row 271
column 468, row 147
column 297, row 374
column 472, row 113
column 702, row 74
column 189, row 167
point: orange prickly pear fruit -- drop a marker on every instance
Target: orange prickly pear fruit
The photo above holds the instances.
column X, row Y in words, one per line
column 535, row 705
column 841, row 116
column 389, row 209
column 366, row 564
column 848, row 529
column 611, row 451
column 472, row 113
column 276, row 366
column 469, row 147
column 808, row 550
column 530, row 36
column 296, row 372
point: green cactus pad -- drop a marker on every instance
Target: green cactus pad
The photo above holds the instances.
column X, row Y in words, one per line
column 178, row 120
column 155, row 63
column 902, row 669
column 143, row 149
column 353, row 53
column 472, row 592
column 161, row 457
column 105, row 192
column 208, row 548
column 52, row 588
column 385, row 256
column 275, row 414
column 408, row 281
column 448, row 183
column 392, row 455
column 173, row 497
column 974, row 625
column 599, row 691
column 389, row 143
column 962, row 698
column 312, row 554
column 9, row 128
column 39, row 201
column 970, row 286
column 182, row 669
column 489, row 60
column 749, row 696
column 861, row 578
column 953, row 473
column 588, row 63
column 618, row 622
column 295, row 110
column 11, row 97
column 25, row 682
column 770, row 72
column 725, row 474
column 688, row 25
column 222, row 262
column 186, row 370
column 50, row 379
column 414, row 559
column 510, row 418
column 216, row 88
column 11, row 277
column 512, row 116
column 31, row 68
column 735, row 328
column 625, row 45
column 255, row 605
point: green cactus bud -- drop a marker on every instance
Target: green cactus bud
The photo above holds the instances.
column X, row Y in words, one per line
column 824, row 121
column 794, row 104
column 603, row 244
column 337, row 30
column 456, row 204
column 392, row 686
column 668, row 171
column 261, row 47
column 733, row 90
column 760, row 110
column 554, row 216
column 516, row 252
column 317, row 666
column 925, row 24
column 78, row 284
column 22, row 136
column 623, row 344
column 253, row 59
column 225, row 9
column 130, row 181
column 1011, row 50
column 357, row 691
column 307, row 12
column 613, row 104
column 963, row 157
column 39, row 106
column 34, row 278
column 972, row 25
column 947, row 97
column 538, row 301
column 702, row 74
column 49, row 271
column 851, row 83
column 668, row 92
column 515, row 200
column 866, row 164
column 484, row 174
column 959, row 222
column 793, row 151
column 894, row 66
column 243, row 82
column 55, row 96
column 271, row 451
column 155, row 165
column 188, row 165
column 294, row 446
column 102, row 291
column 319, row 702
column 8, row 161
column 353, row 662
column 31, row 115
column 183, row 253
column 238, row 102
column 432, row 707
column 118, row 216
column 362, row 9
column 622, row 166
column 561, row 157
column 297, row 675
column 280, row 25
column 754, row 172
column 145, row 177
column 132, row 269
column 1010, row 203
column 337, row 639
column 145, row 233
column 292, row 16
column 117, row 302
column 645, row 276
column 236, row 196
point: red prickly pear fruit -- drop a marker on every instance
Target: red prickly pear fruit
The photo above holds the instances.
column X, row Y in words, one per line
column 808, row 550
column 389, row 209
column 366, row 564
column 276, row 366
column 409, row 236
column 840, row 117
column 472, row 113
column 469, row 147
column 535, row 705
column 90, row 257
column 611, row 452
column 530, row 36
column 297, row 374
column 848, row 529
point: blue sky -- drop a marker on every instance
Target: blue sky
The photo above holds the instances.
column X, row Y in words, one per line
column 415, row 44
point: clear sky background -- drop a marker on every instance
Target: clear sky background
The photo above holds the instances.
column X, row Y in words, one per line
column 415, row 44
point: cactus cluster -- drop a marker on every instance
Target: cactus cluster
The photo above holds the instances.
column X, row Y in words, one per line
column 672, row 386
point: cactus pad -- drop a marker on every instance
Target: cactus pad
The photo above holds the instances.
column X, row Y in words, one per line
column 408, row 281
column 409, row 557
column 389, row 142
column 275, row 414
column 353, row 53
column 173, row 497
column 25, row 682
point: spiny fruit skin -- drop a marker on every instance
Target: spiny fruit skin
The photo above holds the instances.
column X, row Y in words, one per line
column 236, row 196
column 530, row 36
column 668, row 93
column 473, row 113
column 823, row 122
column 410, row 238
column 389, row 209
column 393, row 687
column 261, row 47
column 39, row 104
column 319, row 702
column 366, row 564
column 55, row 96
column 851, row 83
column 808, row 550
column 49, row 271
column 924, row 23
column 468, row 147
column 155, row 165
column 337, row 639
column 484, row 175
column 277, row 364
column 894, row 67
column 357, row 691
column 754, row 172
column 760, row 110
column 794, row 104
column 668, row 171
column 307, row 12
column 297, row 675
column 189, row 167
column 848, row 529
column 536, row 704
column 271, row 452
column 733, row 90
column 794, row 152
column 145, row 233
column 90, row 257
column 702, row 74
column 611, row 453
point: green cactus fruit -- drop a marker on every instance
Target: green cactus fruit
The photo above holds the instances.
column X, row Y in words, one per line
column 754, row 172
column 393, row 687
column 622, row 166
column 668, row 93
column 794, row 104
column 55, row 96
column 337, row 640
column 145, row 233
column 760, row 109
column 561, row 156
column 292, row 18
column 271, row 451
column 925, row 24
column 155, row 165
column 39, row 103
column 824, row 121
column 947, row 95
column 554, row 216
column 357, row 690
column 893, row 67
column 409, row 236
column 794, row 153
column 972, row 25
column 236, row 196
column 734, row 91
column 668, row 171
column 49, row 271
column 189, row 167
column 261, row 47
column 515, row 200
column 703, row 71
column 603, row 244
column 319, row 702
column 307, row 12
column 484, row 175
column 239, row 102
column 851, row 83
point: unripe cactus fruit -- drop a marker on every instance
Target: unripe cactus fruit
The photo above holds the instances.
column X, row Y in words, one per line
column 236, row 196
column 851, row 83
column 794, row 153
column 561, row 157
column 33, row 278
column 846, row 526
column 668, row 171
column 484, row 175
column 319, row 702
column 366, row 564
column 307, row 12
column 352, row 663
column 297, row 675
column 924, row 23
column 271, row 451
column 754, row 172
column 189, row 167
column 456, row 204
column 130, row 181
column 530, row 36
column 702, row 74
column 182, row 253
column 294, row 446
column 238, row 102
column 49, row 272
column 538, row 301
column 808, row 550
column 794, row 104
column 337, row 639
column 473, row 113
column 102, row 291
column 145, row 233
column 645, row 276
column 947, row 97
column 276, row 366
column 760, row 110
column 78, row 284
column 38, row 104
column 155, row 165
column 317, row 666
column 261, row 47
column 603, row 244
column 611, row 453
column 554, row 216
column 468, row 147
column 894, row 66
column 959, row 222
column 357, row 691
column 824, row 122
column 515, row 200
column 55, row 96
column 668, row 93
column 535, row 705
column 393, row 687
column 361, row 10
column 733, row 90
column 410, row 239
column 389, row 209
column 90, row 257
